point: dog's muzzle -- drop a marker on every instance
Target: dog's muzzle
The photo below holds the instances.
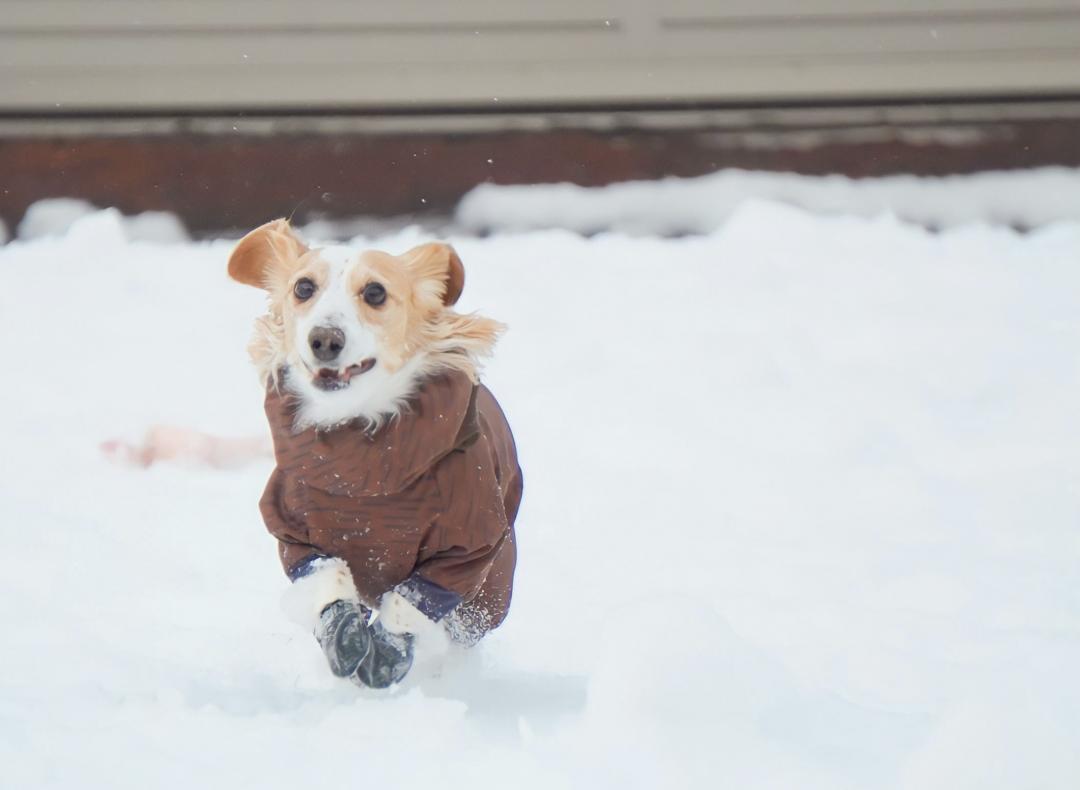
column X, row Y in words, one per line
column 332, row 379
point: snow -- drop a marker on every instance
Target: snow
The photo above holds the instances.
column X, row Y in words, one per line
column 57, row 216
column 673, row 206
column 801, row 512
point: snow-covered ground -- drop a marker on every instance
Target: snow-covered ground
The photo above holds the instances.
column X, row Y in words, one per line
column 802, row 511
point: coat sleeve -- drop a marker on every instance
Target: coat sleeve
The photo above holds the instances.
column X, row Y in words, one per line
column 468, row 535
column 293, row 548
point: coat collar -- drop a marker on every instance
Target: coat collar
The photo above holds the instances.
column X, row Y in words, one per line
column 351, row 461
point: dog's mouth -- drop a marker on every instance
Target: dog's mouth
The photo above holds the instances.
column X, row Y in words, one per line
column 332, row 379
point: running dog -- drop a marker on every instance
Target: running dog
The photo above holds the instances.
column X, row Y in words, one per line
column 396, row 483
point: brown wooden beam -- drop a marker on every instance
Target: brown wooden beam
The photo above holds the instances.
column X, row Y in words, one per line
column 218, row 179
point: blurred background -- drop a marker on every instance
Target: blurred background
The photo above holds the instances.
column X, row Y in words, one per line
column 229, row 113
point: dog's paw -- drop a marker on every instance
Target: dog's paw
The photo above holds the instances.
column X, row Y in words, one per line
column 329, row 580
column 398, row 616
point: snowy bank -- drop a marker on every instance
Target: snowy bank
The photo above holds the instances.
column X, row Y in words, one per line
column 801, row 512
column 674, row 206
column 56, row 217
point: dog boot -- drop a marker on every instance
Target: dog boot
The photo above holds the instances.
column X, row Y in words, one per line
column 390, row 658
column 344, row 636
column 369, row 655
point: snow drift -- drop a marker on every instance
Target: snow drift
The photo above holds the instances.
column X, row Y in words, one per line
column 674, row 206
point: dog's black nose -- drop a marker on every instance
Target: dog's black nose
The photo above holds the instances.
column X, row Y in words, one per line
column 326, row 342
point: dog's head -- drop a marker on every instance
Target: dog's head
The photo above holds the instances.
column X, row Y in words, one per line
column 357, row 329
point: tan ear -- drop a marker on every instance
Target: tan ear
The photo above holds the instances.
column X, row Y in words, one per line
column 267, row 250
column 440, row 265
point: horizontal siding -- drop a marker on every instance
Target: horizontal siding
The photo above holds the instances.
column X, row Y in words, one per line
column 81, row 15
column 160, row 54
column 255, row 15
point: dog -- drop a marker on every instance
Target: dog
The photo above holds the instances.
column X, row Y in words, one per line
column 397, row 483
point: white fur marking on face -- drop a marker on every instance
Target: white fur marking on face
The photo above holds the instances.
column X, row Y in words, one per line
column 374, row 395
column 335, row 306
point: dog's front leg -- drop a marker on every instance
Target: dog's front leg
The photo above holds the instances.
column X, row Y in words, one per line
column 323, row 598
column 399, row 616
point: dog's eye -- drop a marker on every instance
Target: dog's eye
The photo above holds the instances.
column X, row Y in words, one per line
column 303, row 289
column 374, row 294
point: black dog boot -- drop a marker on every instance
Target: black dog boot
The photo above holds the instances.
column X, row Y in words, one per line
column 343, row 633
column 369, row 655
column 390, row 659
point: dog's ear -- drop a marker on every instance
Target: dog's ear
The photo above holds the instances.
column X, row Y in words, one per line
column 437, row 271
column 269, row 250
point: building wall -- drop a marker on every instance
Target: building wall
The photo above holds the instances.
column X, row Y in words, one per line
column 170, row 55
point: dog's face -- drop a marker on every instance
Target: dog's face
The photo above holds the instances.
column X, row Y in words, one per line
column 345, row 320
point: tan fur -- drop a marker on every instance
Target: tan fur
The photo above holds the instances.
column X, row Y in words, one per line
column 263, row 256
column 421, row 285
column 440, row 266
